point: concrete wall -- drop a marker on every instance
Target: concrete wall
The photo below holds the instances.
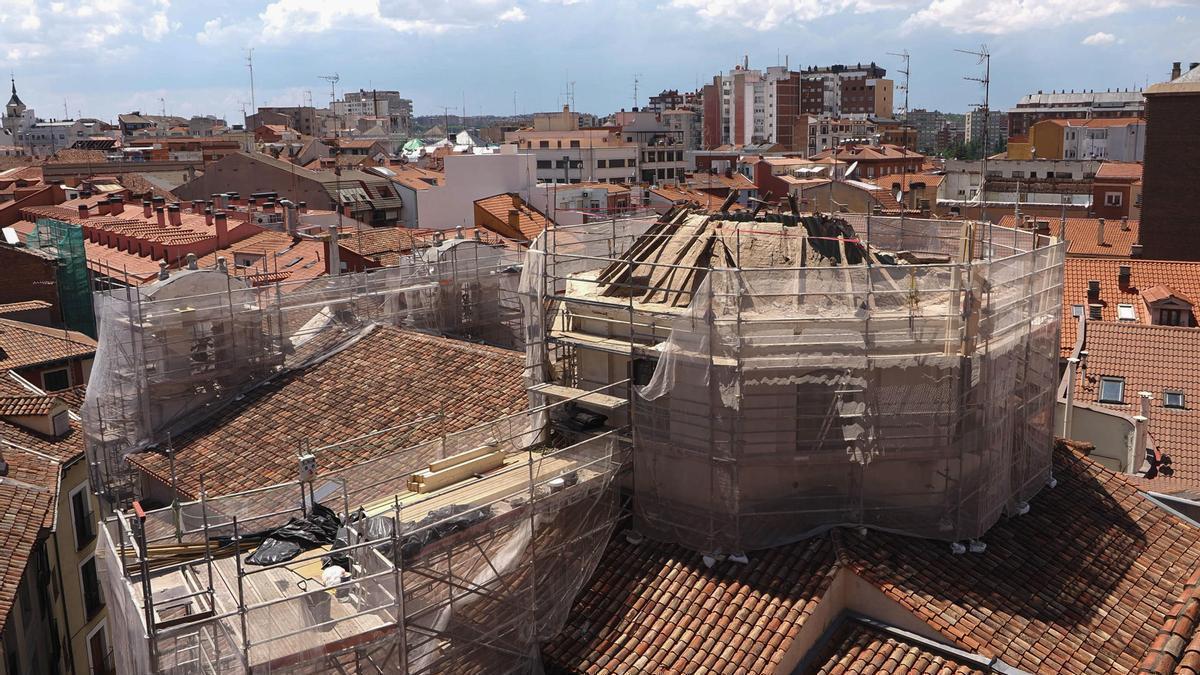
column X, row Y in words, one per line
column 471, row 177
column 1110, row 431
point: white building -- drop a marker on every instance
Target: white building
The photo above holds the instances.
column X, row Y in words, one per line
column 1115, row 140
column 450, row 203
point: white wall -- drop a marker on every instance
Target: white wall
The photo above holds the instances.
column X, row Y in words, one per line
column 471, row 177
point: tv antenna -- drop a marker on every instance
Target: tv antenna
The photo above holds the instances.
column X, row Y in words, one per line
column 162, row 102
column 636, row 80
column 307, row 100
column 985, row 59
column 250, row 65
column 332, row 80
column 569, row 94
column 904, row 55
column 446, row 117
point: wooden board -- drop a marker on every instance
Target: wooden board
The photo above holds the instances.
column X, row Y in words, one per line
column 580, row 395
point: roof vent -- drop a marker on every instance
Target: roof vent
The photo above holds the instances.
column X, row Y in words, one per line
column 1135, row 251
column 1093, row 288
column 1124, row 223
column 1123, row 273
column 1094, row 311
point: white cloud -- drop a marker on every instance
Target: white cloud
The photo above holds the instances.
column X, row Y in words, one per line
column 30, row 30
column 999, row 17
column 513, row 14
column 285, row 19
column 961, row 16
column 1100, row 39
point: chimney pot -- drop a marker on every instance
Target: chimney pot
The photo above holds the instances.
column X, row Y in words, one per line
column 221, row 222
column 208, row 216
column 146, row 209
column 163, row 274
column 173, row 216
column 1100, row 232
column 191, row 261
column 160, row 214
column 1124, row 223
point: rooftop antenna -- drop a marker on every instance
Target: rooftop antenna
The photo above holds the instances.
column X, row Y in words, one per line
column 162, row 102
column 332, row 80
column 636, row 80
column 446, row 118
column 904, row 55
column 985, row 59
column 514, row 102
column 66, row 113
column 250, row 66
column 307, row 99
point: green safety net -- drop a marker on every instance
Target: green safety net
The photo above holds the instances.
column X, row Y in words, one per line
column 65, row 242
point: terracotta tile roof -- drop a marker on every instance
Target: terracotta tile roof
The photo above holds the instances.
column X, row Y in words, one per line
column 1091, row 580
column 530, row 222
column 1122, row 170
column 1082, row 238
column 388, row 378
column 26, row 344
column 416, row 178
column 26, row 306
column 1161, row 292
column 28, row 494
column 76, row 156
column 1154, row 359
column 857, row 153
column 704, row 180
column 906, row 181
column 28, row 404
column 279, row 257
column 705, row 200
column 857, row 647
column 375, row 242
column 655, row 608
column 1184, row 277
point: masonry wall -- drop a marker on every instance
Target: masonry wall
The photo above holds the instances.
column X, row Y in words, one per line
column 28, row 276
column 1170, row 220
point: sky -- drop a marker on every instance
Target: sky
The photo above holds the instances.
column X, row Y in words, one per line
column 99, row 58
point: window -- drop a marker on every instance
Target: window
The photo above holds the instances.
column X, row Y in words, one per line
column 99, row 653
column 1171, row 317
column 56, row 380
column 81, row 516
column 543, row 144
column 601, row 163
column 1126, row 313
column 1112, row 390
column 1112, row 198
column 544, row 164
column 1173, row 399
column 574, row 144
column 93, row 601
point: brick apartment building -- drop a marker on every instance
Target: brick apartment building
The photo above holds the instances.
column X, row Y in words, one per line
column 1172, row 225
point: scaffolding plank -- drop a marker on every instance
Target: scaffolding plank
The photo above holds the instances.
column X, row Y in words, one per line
column 581, row 395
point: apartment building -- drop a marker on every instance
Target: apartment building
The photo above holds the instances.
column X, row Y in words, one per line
column 816, row 133
column 385, row 105
column 565, row 152
column 846, row 90
column 1121, row 139
column 994, row 122
column 1084, row 104
column 1172, row 146
column 747, row 106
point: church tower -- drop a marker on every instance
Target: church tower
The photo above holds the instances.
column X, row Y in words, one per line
column 14, row 111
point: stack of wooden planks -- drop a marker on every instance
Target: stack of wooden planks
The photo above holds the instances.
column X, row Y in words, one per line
column 455, row 468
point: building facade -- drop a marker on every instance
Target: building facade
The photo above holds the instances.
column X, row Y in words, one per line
column 1171, row 227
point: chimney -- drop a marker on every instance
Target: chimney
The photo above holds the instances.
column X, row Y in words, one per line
column 102, row 207
column 116, row 205
column 215, row 200
column 1135, row 251
column 83, row 211
column 191, row 261
column 303, row 207
column 1100, row 232
column 291, row 219
column 334, row 256
column 1176, row 70
column 1093, row 289
column 208, row 216
column 514, row 220
column 1124, row 223
column 146, row 212
column 222, row 225
column 1123, row 273
column 269, row 207
column 160, row 214
column 197, row 206
column 173, row 216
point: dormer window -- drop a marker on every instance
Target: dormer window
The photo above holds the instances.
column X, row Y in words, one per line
column 1168, row 307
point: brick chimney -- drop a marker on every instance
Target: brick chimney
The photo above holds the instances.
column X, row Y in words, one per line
column 160, row 214
column 1176, row 70
column 83, row 211
column 116, row 205
column 173, row 215
column 197, row 206
column 222, row 224
column 102, row 207
column 147, row 213
column 514, row 220
column 208, row 216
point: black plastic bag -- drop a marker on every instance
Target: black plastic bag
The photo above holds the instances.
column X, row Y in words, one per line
column 299, row 534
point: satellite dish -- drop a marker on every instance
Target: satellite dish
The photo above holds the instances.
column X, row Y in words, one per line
column 850, row 170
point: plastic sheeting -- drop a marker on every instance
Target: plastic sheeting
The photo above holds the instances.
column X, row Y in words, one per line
column 784, row 401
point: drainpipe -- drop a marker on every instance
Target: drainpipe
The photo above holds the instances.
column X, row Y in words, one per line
column 1072, row 364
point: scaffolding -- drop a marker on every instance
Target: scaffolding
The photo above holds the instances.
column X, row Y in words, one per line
column 794, row 373
column 467, row 578
column 175, row 352
column 65, row 242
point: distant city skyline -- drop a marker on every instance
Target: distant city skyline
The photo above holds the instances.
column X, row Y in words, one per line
column 504, row 56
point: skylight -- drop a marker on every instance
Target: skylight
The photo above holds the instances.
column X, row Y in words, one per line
column 1126, row 313
column 1112, row 390
column 1173, row 399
